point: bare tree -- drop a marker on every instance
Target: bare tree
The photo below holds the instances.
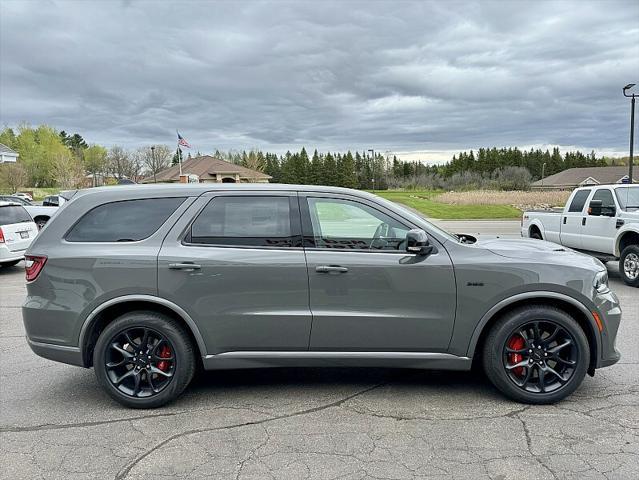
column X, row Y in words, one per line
column 13, row 176
column 155, row 159
column 68, row 171
column 122, row 164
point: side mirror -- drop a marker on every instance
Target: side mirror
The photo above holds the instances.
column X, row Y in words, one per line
column 609, row 211
column 417, row 242
column 594, row 208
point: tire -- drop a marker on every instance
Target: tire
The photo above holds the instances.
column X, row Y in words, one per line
column 144, row 381
column 629, row 265
column 536, row 235
column 10, row 264
column 41, row 222
column 498, row 363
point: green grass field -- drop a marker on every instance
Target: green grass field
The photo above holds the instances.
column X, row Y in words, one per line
column 422, row 201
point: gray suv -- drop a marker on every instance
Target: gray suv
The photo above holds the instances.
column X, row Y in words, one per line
column 145, row 283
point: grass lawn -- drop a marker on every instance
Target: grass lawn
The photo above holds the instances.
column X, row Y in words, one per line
column 423, row 202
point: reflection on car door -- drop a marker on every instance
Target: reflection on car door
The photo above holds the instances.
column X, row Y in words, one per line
column 239, row 270
column 366, row 292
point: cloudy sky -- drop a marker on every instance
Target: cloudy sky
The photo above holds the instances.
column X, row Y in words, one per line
column 398, row 76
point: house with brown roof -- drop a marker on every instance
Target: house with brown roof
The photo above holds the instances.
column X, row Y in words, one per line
column 578, row 177
column 208, row 169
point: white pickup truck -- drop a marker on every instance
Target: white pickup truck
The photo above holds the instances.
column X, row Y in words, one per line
column 602, row 220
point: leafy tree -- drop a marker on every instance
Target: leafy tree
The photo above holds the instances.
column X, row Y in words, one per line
column 95, row 161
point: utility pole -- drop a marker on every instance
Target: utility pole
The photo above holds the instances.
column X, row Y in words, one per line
column 543, row 169
column 632, row 127
column 153, row 163
column 373, row 169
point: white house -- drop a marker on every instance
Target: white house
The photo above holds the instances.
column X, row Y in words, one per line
column 7, row 155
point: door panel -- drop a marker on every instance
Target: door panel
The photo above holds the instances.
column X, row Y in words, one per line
column 573, row 218
column 242, row 297
column 598, row 235
column 385, row 301
column 366, row 293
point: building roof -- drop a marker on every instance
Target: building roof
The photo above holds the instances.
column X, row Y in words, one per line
column 206, row 167
column 4, row 150
column 576, row 176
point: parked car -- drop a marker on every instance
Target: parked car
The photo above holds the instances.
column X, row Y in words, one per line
column 26, row 196
column 143, row 283
column 14, row 199
column 17, row 231
column 601, row 220
column 53, row 201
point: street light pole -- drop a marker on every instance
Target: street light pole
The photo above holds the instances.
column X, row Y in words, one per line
column 373, row 155
column 632, row 127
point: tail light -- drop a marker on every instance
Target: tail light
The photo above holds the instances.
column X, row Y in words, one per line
column 1, row 236
column 33, row 266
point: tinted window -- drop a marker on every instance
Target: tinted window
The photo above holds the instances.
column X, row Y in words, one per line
column 245, row 221
column 605, row 196
column 347, row 225
column 13, row 214
column 125, row 221
column 579, row 200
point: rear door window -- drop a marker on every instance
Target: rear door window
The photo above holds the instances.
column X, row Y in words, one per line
column 125, row 221
column 578, row 201
column 251, row 221
column 13, row 214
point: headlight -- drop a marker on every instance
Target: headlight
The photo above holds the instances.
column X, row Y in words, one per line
column 601, row 282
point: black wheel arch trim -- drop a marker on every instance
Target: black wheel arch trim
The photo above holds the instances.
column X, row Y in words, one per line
column 88, row 322
column 535, row 295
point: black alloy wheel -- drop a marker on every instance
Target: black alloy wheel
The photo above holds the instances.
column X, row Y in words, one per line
column 140, row 362
column 144, row 359
column 540, row 356
column 536, row 354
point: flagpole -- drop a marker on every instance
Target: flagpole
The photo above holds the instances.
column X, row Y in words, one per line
column 179, row 152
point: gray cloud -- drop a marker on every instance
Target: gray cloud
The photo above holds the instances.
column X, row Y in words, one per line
column 273, row 75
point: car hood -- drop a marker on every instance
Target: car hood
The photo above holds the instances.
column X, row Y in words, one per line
column 527, row 248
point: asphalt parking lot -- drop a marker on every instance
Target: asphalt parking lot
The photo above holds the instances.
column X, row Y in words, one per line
column 313, row 423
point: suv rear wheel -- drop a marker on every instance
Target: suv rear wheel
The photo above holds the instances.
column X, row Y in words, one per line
column 629, row 265
column 536, row 354
column 144, row 359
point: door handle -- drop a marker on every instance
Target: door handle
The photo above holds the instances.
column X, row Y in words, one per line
column 330, row 269
column 583, row 221
column 565, row 218
column 184, row 266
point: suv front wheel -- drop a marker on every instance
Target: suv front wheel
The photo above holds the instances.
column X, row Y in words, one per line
column 536, row 354
column 144, row 359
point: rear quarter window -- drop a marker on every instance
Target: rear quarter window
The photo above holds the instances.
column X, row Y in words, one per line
column 14, row 214
column 124, row 221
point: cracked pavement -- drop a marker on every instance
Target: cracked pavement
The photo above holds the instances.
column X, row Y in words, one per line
column 313, row 423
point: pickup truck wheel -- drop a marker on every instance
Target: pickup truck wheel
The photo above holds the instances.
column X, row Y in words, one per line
column 629, row 265
column 144, row 359
column 536, row 235
column 536, row 354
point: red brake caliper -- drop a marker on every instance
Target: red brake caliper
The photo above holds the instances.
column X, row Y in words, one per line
column 165, row 352
column 516, row 342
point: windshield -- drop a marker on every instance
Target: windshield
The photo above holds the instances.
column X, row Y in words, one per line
column 628, row 197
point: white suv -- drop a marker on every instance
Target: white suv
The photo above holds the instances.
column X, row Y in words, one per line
column 17, row 231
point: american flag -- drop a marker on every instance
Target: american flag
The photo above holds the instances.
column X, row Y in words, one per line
column 181, row 141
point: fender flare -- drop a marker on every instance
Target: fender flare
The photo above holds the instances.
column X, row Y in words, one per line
column 88, row 322
column 623, row 231
column 537, row 223
column 534, row 295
